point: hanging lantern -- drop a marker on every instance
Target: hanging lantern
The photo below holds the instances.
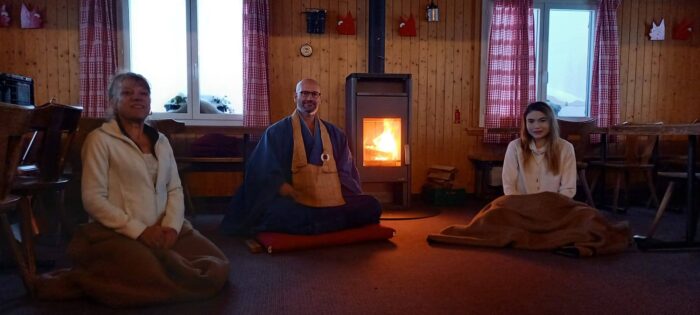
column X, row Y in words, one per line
column 432, row 12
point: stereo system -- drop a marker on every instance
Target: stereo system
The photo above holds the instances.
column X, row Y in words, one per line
column 16, row 89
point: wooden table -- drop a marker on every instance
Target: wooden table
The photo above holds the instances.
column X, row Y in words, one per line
column 691, row 131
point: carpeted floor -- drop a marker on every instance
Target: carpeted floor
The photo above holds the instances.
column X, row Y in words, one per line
column 410, row 276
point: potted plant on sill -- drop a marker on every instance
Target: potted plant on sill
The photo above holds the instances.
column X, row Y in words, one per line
column 176, row 103
column 221, row 103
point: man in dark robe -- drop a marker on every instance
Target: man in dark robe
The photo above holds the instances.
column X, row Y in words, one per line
column 296, row 184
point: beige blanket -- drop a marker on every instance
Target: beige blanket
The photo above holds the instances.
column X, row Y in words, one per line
column 119, row 271
column 543, row 221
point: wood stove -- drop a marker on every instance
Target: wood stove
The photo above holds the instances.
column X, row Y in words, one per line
column 377, row 115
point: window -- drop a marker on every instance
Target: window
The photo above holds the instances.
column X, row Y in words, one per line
column 564, row 35
column 191, row 51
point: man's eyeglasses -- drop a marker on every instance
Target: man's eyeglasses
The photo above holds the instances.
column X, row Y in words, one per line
column 313, row 94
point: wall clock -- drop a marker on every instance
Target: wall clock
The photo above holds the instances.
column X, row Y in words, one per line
column 306, row 50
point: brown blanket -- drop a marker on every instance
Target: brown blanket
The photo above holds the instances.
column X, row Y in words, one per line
column 543, row 221
column 119, row 271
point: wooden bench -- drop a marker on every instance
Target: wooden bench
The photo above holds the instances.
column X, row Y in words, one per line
column 186, row 139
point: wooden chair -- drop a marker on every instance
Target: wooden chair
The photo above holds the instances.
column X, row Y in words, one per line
column 14, row 123
column 41, row 168
column 578, row 132
column 673, row 178
column 638, row 154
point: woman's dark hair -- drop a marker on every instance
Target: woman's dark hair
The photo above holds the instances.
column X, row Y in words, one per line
column 552, row 153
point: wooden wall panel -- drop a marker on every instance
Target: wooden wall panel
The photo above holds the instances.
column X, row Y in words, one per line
column 443, row 60
column 659, row 80
column 48, row 55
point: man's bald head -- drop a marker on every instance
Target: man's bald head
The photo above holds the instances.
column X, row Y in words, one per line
column 307, row 83
column 307, row 97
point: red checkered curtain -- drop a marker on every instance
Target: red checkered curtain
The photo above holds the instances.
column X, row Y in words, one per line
column 98, row 53
column 605, row 83
column 511, row 66
column 256, row 89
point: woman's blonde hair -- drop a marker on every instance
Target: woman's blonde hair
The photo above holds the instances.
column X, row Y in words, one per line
column 552, row 153
column 115, row 87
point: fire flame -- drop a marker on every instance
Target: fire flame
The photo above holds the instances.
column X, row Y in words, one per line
column 385, row 145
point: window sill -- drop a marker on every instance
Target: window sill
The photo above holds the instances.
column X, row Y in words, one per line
column 211, row 122
column 203, row 120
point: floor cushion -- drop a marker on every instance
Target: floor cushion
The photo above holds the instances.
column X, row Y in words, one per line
column 281, row 242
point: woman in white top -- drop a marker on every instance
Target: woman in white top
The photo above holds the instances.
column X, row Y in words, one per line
column 539, row 160
column 138, row 249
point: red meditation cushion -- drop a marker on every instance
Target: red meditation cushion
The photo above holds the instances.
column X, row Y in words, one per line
column 281, row 242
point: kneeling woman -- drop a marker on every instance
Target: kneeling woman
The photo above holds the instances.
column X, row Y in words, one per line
column 540, row 160
column 139, row 249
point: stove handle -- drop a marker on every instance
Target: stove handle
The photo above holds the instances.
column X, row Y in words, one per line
column 407, row 154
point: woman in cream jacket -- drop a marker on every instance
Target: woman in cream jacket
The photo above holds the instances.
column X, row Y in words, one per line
column 138, row 249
